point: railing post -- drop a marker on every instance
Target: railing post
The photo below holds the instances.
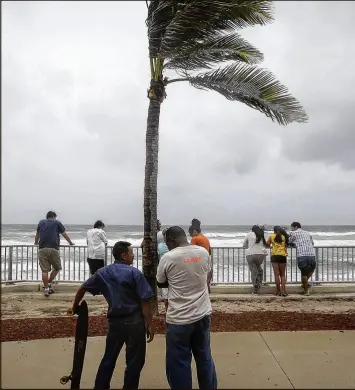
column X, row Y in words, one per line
column 317, row 266
column 9, row 275
column 106, row 255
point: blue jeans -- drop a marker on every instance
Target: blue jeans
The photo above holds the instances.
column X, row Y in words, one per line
column 181, row 341
column 133, row 334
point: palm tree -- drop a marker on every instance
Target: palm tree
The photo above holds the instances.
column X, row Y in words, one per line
column 194, row 38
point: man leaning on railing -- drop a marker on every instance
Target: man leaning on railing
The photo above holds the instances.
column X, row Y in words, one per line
column 48, row 241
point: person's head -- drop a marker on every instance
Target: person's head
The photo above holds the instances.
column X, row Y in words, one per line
column 51, row 215
column 123, row 251
column 175, row 236
column 259, row 233
column 99, row 225
column 158, row 225
column 279, row 233
column 295, row 225
column 195, row 228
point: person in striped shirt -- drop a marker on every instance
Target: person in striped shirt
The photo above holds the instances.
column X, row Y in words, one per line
column 306, row 257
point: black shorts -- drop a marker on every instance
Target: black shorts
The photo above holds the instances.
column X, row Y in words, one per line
column 95, row 264
column 278, row 259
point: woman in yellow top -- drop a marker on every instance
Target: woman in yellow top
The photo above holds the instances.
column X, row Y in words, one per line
column 278, row 242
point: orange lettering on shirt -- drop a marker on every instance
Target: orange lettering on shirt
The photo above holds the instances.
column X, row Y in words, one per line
column 192, row 260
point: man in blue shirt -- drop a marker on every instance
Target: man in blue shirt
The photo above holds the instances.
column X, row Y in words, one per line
column 47, row 235
column 129, row 317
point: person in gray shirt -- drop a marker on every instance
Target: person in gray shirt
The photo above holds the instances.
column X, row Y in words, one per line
column 184, row 269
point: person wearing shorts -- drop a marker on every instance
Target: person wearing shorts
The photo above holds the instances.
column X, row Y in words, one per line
column 306, row 257
column 97, row 242
column 48, row 241
column 278, row 242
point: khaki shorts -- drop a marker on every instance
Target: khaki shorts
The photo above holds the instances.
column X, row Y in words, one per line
column 49, row 257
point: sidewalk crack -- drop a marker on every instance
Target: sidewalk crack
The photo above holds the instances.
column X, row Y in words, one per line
column 277, row 360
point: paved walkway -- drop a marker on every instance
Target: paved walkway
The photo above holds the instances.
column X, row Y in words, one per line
column 322, row 359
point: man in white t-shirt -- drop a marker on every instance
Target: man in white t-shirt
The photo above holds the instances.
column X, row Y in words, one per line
column 97, row 241
column 184, row 270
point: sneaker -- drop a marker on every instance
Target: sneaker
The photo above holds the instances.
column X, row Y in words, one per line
column 51, row 291
column 46, row 292
column 307, row 293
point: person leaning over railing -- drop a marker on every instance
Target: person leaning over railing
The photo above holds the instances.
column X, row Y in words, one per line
column 48, row 241
column 97, row 242
column 256, row 254
column 278, row 242
column 306, row 255
column 199, row 239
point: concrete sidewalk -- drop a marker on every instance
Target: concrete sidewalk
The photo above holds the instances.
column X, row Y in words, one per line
column 321, row 359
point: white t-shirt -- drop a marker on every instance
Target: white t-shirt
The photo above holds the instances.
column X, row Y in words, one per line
column 186, row 268
column 253, row 247
column 96, row 239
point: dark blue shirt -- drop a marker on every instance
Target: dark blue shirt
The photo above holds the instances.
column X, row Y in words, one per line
column 49, row 230
column 123, row 286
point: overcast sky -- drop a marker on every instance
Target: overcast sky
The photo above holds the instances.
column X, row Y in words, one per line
column 74, row 109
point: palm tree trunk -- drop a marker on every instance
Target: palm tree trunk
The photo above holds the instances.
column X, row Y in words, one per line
column 150, row 250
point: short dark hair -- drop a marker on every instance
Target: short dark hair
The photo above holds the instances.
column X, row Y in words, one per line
column 296, row 225
column 99, row 224
column 195, row 225
column 51, row 214
column 175, row 232
column 119, row 248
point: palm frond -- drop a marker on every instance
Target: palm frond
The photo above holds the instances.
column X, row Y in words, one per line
column 254, row 87
column 160, row 14
column 214, row 49
column 194, row 19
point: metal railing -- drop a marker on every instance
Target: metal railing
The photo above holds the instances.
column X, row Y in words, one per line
column 334, row 265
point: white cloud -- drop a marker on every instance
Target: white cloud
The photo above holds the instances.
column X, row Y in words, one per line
column 74, row 110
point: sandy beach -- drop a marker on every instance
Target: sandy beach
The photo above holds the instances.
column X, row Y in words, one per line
column 35, row 305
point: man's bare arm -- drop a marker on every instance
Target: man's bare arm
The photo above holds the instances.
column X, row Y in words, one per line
column 36, row 238
column 78, row 297
column 148, row 320
column 65, row 235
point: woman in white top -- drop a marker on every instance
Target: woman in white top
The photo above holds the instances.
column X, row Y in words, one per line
column 97, row 241
column 255, row 254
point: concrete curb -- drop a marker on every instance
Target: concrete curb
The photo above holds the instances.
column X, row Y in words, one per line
column 216, row 291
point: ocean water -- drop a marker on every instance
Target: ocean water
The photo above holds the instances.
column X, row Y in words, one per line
column 335, row 257
column 220, row 236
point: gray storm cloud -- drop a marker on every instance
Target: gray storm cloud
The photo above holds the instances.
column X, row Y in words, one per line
column 74, row 108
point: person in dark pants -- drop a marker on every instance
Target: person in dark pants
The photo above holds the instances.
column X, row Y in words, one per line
column 129, row 317
column 184, row 269
column 97, row 242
